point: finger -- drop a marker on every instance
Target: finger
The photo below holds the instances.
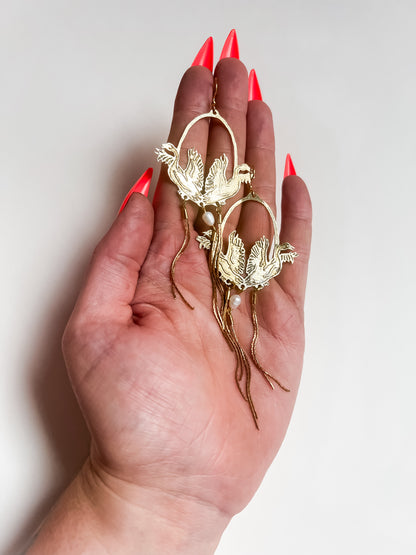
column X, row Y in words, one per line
column 112, row 278
column 296, row 229
column 260, row 155
column 193, row 98
column 231, row 103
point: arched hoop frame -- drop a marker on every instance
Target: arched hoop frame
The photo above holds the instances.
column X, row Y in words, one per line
column 236, row 278
column 211, row 114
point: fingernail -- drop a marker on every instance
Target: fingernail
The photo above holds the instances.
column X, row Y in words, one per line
column 254, row 92
column 289, row 167
column 205, row 56
column 142, row 186
column 230, row 48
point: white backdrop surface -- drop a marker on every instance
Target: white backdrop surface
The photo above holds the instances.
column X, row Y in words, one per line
column 86, row 94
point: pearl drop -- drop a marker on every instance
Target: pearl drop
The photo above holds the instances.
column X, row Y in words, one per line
column 235, row 301
column 208, row 218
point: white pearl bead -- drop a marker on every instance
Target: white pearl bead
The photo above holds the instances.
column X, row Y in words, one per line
column 235, row 301
column 208, row 218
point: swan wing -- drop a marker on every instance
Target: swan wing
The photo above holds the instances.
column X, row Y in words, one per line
column 216, row 176
column 231, row 265
column 195, row 168
column 258, row 255
column 236, row 253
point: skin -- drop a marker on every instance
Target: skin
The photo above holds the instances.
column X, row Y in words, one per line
column 174, row 451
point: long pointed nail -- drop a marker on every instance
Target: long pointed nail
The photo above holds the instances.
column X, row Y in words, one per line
column 289, row 167
column 205, row 56
column 254, row 92
column 142, row 186
column 230, row 48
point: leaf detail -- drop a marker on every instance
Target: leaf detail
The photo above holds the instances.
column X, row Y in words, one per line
column 204, row 242
column 163, row 156
column 288, row 257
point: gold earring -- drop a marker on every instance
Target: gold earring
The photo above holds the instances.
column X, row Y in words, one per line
column 229, row 271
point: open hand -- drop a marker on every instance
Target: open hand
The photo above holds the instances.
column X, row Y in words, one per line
column 155, row 379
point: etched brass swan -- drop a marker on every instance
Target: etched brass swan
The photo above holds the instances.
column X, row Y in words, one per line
column 217, row 188
column 262, row 266
column 231, row 265
column 190, row 181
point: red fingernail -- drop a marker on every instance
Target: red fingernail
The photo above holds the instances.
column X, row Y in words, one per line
column 142, row 186
column 205, row 56
column 230, row 48
column 289, row 167
column 254, row 92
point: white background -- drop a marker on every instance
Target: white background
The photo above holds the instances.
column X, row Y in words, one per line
column 86, row 94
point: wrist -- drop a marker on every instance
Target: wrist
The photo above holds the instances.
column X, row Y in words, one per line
column 104, row 514
column 150, row 520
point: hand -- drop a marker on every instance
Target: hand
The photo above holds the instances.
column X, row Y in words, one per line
column 171, row 434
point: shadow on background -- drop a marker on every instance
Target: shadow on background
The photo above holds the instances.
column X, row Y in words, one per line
column 48, row 384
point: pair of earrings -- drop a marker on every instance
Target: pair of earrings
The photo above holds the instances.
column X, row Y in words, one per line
column 231, row 273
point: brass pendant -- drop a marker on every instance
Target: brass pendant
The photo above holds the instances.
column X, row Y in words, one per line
column 215, row 189
column 229, row 270
column 263, row 263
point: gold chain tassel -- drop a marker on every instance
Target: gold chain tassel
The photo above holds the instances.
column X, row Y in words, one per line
column 267, row 376
column 175, row 288
column 221, row 294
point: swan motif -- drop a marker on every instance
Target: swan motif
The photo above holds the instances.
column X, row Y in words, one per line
column 231, row 265
column 217, row 188
column 262, row 267
column 190, row 181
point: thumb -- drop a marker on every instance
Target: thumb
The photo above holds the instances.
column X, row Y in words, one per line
column 115, row 266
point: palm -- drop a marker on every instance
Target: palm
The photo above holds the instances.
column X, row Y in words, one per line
column 160, row 397
column 175, row 404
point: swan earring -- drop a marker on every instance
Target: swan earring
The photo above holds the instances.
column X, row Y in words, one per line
column 214, row 190
column 229, row 271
